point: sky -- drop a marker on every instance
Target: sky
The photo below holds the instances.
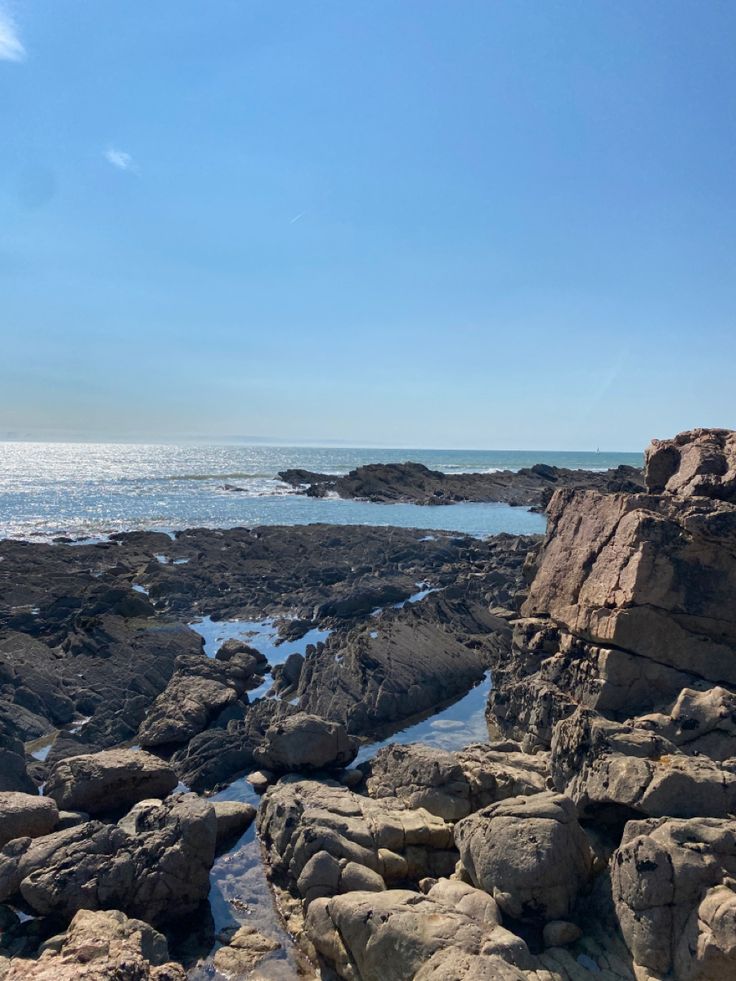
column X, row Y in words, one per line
column 493, row 224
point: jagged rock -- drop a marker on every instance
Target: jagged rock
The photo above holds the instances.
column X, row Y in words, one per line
column 452, row 785
column 699, row 722
column 153, row 865
column 452, row 932
column 406, row 661
column 26, row 816
column 299, row 820
column 99, row 946
column 199, row 689
column 622, row 770
column 233, row 818
column 699, row 463
column 110, row 781
column 245, row 951
column 673, row 887
column 529, row 853
column 649, row 575
column 304, row 742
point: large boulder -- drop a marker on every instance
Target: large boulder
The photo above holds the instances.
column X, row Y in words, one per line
column 26, row 816
column 616, row 770
column 451, row 785
column 113, row 780
column 319, row 835
column 452, row 932
column 99, row 946
column 529, row 853
column 154, row 864
column 673, row 888
column 305, row 742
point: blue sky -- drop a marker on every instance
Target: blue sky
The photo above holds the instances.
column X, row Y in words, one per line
column 498, row 224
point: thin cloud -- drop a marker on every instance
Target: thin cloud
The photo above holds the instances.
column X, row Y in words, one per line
column 11, row 48
column 297, row 218
column 120, row 159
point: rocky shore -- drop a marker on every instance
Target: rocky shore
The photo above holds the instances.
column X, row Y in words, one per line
column 592, row 836
column 530, row 487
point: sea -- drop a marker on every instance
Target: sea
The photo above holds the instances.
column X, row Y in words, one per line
column 87, row 491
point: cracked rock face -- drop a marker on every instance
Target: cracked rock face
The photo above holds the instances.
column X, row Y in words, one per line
column 529, row 853
column 699, row 463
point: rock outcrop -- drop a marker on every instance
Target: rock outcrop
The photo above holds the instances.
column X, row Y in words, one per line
column 454, row 931
column 391, row 482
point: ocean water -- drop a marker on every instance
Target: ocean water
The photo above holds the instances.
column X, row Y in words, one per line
column 90, row 489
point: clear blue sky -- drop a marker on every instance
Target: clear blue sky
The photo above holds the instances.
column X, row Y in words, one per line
column 503, row 223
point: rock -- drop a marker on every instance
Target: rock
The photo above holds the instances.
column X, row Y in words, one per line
column 649, row 575
column 199, row 689
column 154, row 865
column 300, row 820
column 261, row 780
column 408, row 660
column 673, row 889
column 244, row 953
column 623, row 771
column 305, row 742
column 390, row 482
column 233, row 818
column 699, row 722
column 110, row 781
column 452, row 932
column 70, row 819
column 560, row 933
column 451, row 785
column 529, row 853
column 25, row 816
column 99, row 946
column 351, row 778
column 699, row 463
